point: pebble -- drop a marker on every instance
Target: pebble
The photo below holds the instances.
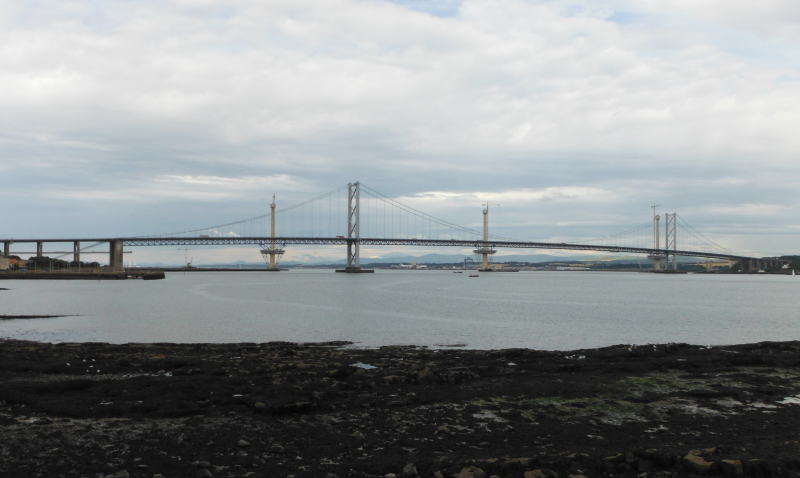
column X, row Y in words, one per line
column 276, row 449
column 203, row 464
column 204, row 474
column 242, row 444
column 410, row 470
column 331, row 475
column 443, row 429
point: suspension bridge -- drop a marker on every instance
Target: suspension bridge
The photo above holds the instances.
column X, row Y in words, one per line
column 355, row 215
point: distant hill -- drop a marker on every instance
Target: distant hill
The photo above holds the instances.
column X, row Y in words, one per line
column 437, row 259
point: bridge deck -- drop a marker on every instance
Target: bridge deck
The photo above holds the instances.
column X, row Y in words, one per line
column 477, row 244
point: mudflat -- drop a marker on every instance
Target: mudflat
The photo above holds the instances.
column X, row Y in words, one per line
column 318, row 410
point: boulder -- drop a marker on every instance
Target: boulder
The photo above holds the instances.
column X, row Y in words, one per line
column 732, row 468
column 541, row 473
column 519, row 463
column 696, row 463
column 470, row 472
column 410, row 470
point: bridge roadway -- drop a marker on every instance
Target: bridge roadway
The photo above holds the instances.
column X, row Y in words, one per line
column 748, row 263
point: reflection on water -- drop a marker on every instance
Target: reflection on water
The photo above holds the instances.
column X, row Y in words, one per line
column 544, row 310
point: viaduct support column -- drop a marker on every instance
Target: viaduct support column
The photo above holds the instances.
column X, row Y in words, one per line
column 39, row 249
column 76, row 254
column 115, row 255
column 7, row 248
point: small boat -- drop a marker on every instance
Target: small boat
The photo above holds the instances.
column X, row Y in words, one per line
column 457, row 272
column 474, row 275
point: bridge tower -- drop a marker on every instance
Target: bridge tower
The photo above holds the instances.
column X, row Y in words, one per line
column 656, row 256
column 671, row 239
column 274, row 253
column 485, row 251
column 353, row 229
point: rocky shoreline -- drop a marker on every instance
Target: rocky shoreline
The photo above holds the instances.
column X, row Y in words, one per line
column 318, row 410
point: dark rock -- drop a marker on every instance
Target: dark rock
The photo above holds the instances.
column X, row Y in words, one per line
column 732, row 468
column 276, row 449
column 470, row 472
column 697, row 464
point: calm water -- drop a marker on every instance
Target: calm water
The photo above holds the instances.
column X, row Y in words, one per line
column 544, row 310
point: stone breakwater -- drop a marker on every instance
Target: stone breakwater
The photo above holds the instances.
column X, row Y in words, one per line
column 74, row 275
column 328, row 410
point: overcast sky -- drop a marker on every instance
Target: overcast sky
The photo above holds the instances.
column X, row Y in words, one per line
column 129, row 118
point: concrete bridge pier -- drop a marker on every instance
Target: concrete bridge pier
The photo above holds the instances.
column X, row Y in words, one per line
column 656, row 258
column 7, row 248
column 76, row 251
column 750, row 265
column 485, row 252
column 115, row 262
column 39, row 249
